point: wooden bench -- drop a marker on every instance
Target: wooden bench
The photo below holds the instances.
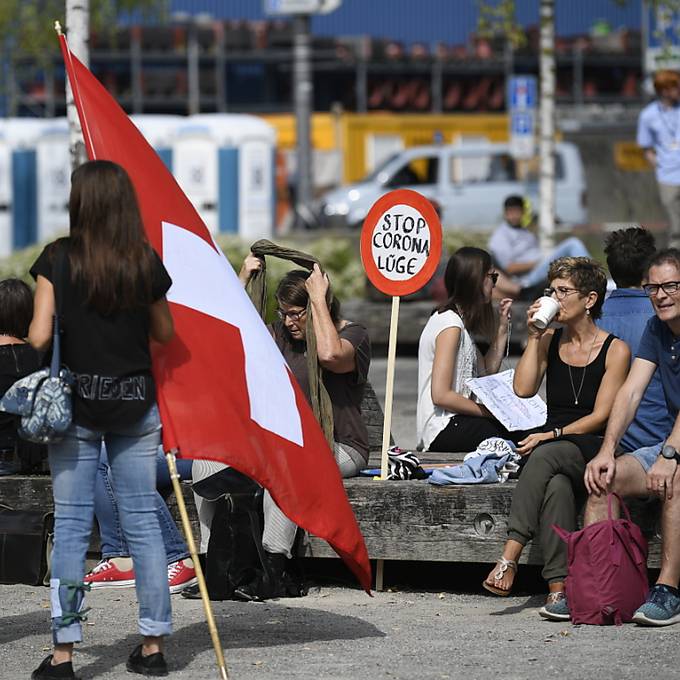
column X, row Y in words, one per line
column 417, row 521
column 400, row 520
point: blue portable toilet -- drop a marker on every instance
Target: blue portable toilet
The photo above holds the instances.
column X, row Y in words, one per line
column 5, row 197
column 21, row 135
column 158, row 130
column 225, row 165
column 53, row 179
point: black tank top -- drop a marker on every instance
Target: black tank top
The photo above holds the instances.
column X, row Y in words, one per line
column 559, row 392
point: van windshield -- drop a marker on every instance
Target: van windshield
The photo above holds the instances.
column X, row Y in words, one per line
column 371, row 177
column 499, row 167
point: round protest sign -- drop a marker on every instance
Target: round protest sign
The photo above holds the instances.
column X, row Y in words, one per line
column 401, row 242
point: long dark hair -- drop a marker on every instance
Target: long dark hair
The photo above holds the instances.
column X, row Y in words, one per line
column 109, row 254
column 464, row 281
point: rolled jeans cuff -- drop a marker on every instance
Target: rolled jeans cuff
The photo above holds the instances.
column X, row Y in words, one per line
column 155, row 628
column 66, row 634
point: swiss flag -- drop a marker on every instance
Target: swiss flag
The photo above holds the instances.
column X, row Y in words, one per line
column 225, row 392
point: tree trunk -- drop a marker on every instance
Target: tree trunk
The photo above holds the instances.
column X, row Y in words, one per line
column 546, row 219
column 78, row 33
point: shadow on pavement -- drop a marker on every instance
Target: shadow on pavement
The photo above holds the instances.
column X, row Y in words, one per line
column 241, row 625
column 533, row 602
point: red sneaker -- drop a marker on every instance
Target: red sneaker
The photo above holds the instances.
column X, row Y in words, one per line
column 107, row 575
column 181, row 575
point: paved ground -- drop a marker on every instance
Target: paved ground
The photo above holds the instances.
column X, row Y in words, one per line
column 339, row 633
column 435, row 624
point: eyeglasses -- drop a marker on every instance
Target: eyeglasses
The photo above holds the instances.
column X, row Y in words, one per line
column 293, row 316
column 493, row 276
column 668, row 287
column 560, row 292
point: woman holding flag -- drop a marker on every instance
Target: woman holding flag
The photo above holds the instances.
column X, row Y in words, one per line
column 111, row 289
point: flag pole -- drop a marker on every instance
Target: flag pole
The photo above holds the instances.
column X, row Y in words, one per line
column 188, row 533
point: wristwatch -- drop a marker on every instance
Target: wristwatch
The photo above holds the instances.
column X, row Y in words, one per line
column 557, row 432
column 671, row 453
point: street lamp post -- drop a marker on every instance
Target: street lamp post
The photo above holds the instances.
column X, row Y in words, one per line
column 303, row 97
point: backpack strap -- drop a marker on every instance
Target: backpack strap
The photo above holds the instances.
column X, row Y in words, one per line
column 621, row 503
column 58, row 285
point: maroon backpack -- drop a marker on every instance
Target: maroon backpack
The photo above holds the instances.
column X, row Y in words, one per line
column 607, row 573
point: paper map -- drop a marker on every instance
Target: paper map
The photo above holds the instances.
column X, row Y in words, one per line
column 496, row 393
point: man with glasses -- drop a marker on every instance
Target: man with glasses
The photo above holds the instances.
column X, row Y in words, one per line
column 653, row 469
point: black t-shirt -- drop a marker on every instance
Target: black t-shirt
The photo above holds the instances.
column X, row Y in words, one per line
column 109, row 355
column 16, row 361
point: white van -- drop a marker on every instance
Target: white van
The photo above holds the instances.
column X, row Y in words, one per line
column 468, row 183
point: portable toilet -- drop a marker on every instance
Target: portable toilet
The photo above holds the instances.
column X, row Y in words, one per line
column 6, row 240
column 194, row 165
column 53, row 169
column 159, row 131
column 225, row 164
column 21, row 135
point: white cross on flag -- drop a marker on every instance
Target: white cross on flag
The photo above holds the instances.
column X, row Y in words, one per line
column 225, row 392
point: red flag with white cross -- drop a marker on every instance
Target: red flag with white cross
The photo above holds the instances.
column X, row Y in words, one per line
column 225, row 392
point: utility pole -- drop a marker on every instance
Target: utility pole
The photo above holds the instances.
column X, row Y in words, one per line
column 78, row 33
column 303, row 97
column 546, row 188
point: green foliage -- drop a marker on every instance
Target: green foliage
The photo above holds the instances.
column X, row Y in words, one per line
column 17, row 265
column 27, row 26
column 497, row 17
column 338, row 255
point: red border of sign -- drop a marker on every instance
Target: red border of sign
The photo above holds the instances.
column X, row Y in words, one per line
column 426, row 209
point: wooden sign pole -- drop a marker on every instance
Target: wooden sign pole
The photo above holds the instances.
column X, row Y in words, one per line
column 389, row 386
column 401, row 244
column 387, row 423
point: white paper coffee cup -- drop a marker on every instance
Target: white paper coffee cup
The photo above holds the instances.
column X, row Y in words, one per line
column 546, row 312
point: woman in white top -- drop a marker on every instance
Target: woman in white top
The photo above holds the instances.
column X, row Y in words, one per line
column 449, row 419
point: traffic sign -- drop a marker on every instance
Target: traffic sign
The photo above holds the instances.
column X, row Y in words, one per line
column 522, row 93
column 401, row 242
column 522, row 98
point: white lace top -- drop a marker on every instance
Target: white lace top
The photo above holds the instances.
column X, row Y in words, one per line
column 431, row 419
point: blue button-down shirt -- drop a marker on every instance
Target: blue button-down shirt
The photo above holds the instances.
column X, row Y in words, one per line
column 659, row 129
column 625, row 314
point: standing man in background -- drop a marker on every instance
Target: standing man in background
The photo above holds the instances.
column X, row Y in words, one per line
column 658, row 134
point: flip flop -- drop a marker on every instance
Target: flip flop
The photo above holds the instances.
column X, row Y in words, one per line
column 504, row 565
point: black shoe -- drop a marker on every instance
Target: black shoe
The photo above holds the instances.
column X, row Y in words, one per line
column 154, row 664
column 63, row 671
column 272, row 582
column 191, row 592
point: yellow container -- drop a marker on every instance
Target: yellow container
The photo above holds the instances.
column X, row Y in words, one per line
column 354, row 132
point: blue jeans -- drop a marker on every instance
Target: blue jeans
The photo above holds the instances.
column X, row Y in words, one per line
column 647, row 455
column 571, row 247
column 74, row 461
column 113, row 543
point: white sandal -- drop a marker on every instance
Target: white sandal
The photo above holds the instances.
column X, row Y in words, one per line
column 503, row 566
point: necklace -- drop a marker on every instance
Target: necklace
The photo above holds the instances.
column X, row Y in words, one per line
column 583, row 375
